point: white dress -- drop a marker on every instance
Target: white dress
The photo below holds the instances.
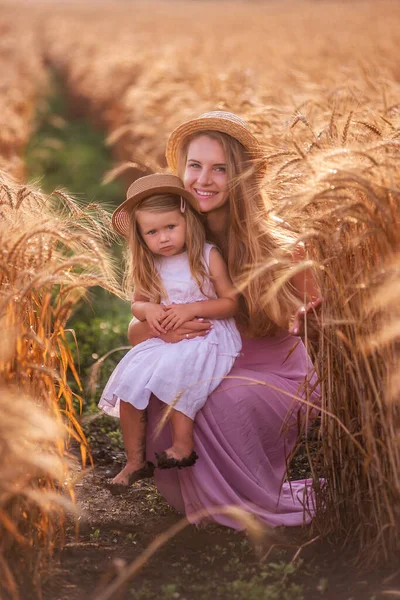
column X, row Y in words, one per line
column 192, row 368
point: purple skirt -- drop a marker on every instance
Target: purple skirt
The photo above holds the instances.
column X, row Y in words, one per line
column 243, row 436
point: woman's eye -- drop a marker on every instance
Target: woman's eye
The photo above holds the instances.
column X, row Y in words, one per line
column 221, row 169
column 194, row 166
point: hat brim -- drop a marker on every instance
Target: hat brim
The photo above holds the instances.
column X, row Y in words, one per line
column 121, row 216
column 235, row 130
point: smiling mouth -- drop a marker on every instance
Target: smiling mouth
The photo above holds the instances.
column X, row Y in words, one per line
column 204, row 194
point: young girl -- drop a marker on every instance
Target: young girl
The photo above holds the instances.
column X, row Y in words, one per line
column 176, row 277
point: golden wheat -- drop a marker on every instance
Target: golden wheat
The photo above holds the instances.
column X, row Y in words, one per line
column 149, row 74
column 345, row 203
column 23, row 78
column 52, row 251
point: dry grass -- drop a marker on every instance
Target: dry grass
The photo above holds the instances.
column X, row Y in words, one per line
column 49, row 258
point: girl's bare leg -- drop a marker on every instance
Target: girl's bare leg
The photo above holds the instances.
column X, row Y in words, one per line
column 133, row 425
column 182, row 427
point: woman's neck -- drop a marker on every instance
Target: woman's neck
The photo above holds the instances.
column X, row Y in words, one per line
column 217, row 224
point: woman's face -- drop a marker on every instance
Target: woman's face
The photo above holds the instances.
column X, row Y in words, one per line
column 205, row 173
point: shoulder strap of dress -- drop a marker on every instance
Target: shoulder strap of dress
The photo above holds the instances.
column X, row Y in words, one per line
column 206, row 253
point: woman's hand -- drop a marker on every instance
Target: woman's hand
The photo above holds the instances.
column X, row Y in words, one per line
column 139, row 331
column 189, row 330
column 311, row 309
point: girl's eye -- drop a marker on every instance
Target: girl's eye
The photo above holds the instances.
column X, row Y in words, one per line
column 171, row 226
column 151, row 232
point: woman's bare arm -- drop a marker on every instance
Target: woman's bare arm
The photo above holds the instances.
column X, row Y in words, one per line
column 139, row 331
column 305, row 282
column 309, row 291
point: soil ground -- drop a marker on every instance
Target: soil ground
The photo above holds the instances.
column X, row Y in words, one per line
column 213, row 562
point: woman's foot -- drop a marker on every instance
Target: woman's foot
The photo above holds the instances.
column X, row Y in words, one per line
column 129, row 474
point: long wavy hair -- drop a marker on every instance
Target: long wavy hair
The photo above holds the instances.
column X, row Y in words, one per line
column 258, row 250
column 142, row 275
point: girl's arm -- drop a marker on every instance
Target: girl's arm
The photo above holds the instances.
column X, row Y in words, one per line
column 151, row 312
column 138, row 306
column 225, row 306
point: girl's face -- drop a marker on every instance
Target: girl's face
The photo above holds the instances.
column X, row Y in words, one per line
column 205, row 173
column 163, row 233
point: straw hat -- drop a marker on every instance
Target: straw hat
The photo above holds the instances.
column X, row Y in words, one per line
column 216, row 120
column 158, row 183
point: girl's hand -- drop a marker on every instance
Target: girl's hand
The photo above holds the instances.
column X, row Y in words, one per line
column 154, row 314
column 311, row 310
column 177, row 314
column 189, row 330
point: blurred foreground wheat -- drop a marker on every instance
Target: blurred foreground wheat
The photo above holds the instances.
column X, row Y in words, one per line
column 49, row 258
column 23, row 79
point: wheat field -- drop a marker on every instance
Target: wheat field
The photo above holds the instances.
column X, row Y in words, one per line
column 319, row 83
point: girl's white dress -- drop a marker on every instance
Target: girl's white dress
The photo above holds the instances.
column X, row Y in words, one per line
column 192, row 368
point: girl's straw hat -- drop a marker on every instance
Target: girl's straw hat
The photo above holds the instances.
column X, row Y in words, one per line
column 216, row 120
column 158, row 183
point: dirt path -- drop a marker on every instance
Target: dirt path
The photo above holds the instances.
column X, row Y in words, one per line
column 201, row 564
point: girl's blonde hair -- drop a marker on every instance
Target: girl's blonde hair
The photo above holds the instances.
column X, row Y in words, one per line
column 142, row 274
column 257, row 250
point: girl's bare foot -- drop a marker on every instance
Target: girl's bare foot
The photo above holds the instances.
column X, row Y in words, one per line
column 129, row 474
column 177, row 456
column 123, row 476
column 133, row 425
column 179, row 451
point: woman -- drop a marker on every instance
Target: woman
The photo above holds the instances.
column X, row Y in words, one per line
column 249, row 425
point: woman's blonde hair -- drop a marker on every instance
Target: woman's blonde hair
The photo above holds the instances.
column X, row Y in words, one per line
column 142, row 274
column 257, row 250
